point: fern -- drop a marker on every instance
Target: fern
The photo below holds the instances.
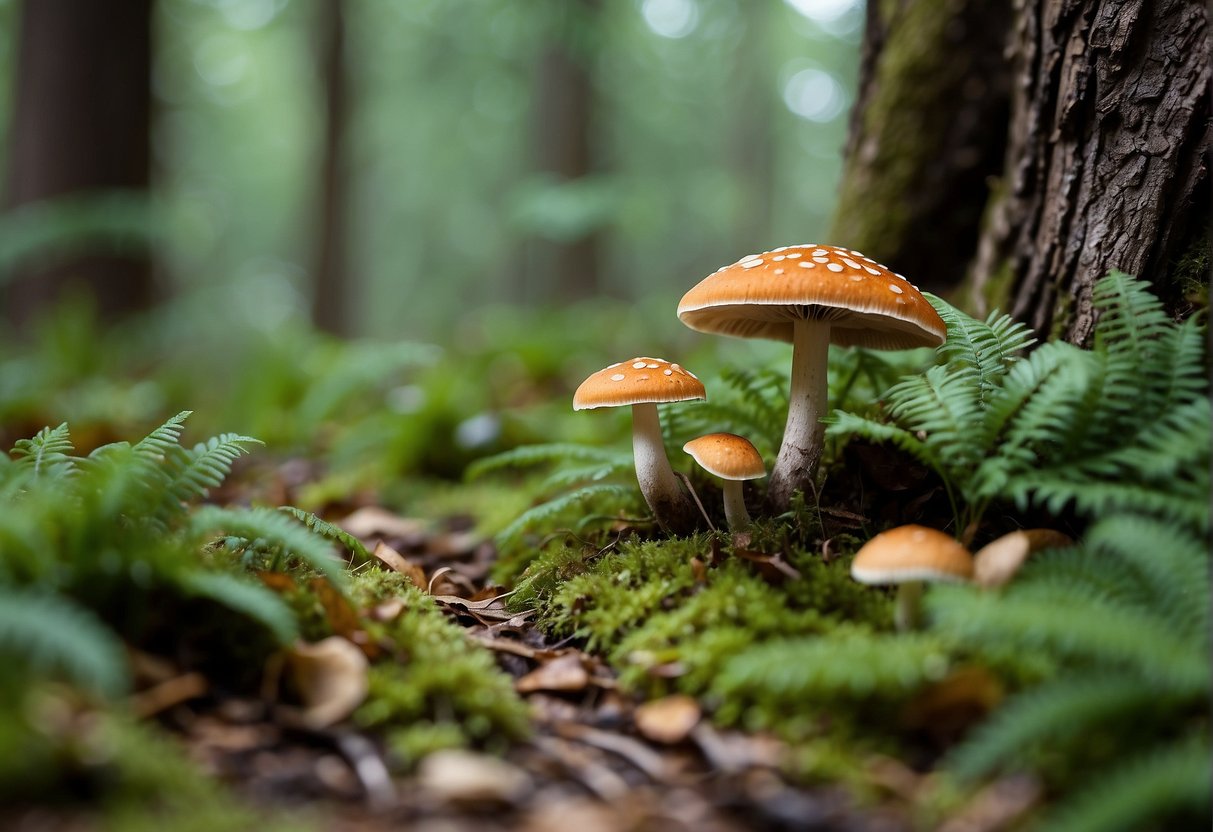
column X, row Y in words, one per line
column 560, row 505
column 207, row 466
column 49, row 452
column 1123, row 426
column 544, row 454
column 273, row 532
column 329, row 531
column 52, row 634
column 243, row 596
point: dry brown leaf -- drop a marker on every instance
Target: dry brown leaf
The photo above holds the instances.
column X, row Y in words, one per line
column 562, row 673
column 330, row 678
column 397, row 562
column 337, row 610
column 376, row 522
column 277, row 581
column 467, row 778
column 669, row 719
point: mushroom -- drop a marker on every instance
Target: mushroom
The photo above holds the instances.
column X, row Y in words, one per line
column 998, row 561
column 734, row 460
column 810, row 295
column 642, row 383
column 909, row 556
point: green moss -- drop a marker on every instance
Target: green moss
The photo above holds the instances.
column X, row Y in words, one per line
column 436, row 689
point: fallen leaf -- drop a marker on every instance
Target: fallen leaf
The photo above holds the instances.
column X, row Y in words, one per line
column 277, row 581
column 397, row 562
column 467, row 778
column 668, row 720
column 330, row 678
column 563, row 673
column 376, row 522
column 337, row 610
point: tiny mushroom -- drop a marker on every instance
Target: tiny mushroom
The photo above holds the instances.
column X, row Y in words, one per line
column 733, row 459
column 910, row 556
column 997, row 562
column 642, row 383
column 810, row 295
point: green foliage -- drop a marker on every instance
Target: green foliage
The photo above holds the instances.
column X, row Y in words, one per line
column 269, row 539
column 1125, row 618
column 438, row 689
column 329, row 531
column 1110, row 429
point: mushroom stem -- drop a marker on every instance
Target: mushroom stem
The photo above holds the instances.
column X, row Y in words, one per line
column 673, row 509
column 734, row 506
column 802, row 436
column 907, row 615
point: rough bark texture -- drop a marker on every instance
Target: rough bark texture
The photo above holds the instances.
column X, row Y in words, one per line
column 81, row 123
column 1107, row 157
column 927, row 133
column 331, row 296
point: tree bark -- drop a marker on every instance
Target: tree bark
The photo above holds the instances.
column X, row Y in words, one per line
column 332, row 293
column 81, row 123
column 1107, row 159
column 1103, row 157
column 927, row 133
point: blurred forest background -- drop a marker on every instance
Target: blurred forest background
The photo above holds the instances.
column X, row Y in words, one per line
column 429, row 172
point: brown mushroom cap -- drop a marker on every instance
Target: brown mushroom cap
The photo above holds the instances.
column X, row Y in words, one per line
column 865, row 303
column 727, row 455
column 637, row 381
column 911, row 553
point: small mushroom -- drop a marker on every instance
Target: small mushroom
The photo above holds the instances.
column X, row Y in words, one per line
column 734, row 460
column 909, row 556
column 812, row 296
column 998, row 561
column 642, row 383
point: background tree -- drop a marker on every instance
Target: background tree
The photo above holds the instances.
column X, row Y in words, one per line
column 1105, row 164
column 80, row 126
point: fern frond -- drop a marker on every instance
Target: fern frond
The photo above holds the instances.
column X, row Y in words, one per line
column 54, row 635
column 165, row 439
column 844, row 663
column 1085, row 629
column 945, row 406
column 623, row 496
column 329, row 531
column 1052, row 715
column 1164, row 787
column 841, row 423
column 530, row 455
column 245, row 597
column 207, row 465
column 563, row 478
column 277, row 531
column 48, row 452
column 982, row 350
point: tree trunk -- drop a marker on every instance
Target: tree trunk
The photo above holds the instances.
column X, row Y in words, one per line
column 1103, row 156
column 1107, row 157
column 927, row 134
column 81, row 123
column 332, row 293
column 563, row 131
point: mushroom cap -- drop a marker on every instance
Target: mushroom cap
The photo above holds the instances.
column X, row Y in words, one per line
column 911, row 553
column 865, row 303
column 637, row 381
column 997, row 562
column 727, row 455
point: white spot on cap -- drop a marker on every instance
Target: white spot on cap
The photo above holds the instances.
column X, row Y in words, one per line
column 895, row 288
column 779, row 271
column 618, row 377
column 851, row 263
column 821, row 252
column 868, row 259
column 834, row 267
column 750, row 257
column 639, row 365
column 651, row 366
column 777, row 257
column 613, row 366
column 676, row 366
column 642, row 378
column 871, row 270
column 856, row 277
column 749, row 264
column 668, row 372
column 792, row 255
column 822, row 260
column 900, row 276
column 805, row 264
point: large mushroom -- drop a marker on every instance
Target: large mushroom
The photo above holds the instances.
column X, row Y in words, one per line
column 810, row 295
column 642, row 383
column 909, row 556
column 734, row 459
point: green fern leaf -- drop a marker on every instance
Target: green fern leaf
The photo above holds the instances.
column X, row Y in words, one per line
column 330, row 532
column 55, row 636
column 164, row 440
column 247, row 598
column 48, row 452
column 207, row 466
column 277, row 530
column 622, row 496
column 531, row 455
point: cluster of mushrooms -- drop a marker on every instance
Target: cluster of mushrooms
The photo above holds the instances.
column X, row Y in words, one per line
column 813, row 296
